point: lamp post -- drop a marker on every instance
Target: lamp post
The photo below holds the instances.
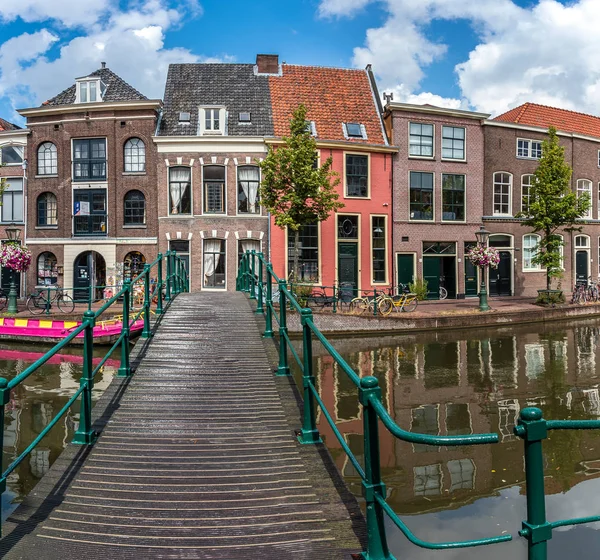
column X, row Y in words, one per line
column 14, row 236
column 482, row 240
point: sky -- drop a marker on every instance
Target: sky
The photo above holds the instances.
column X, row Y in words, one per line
column 482, row 55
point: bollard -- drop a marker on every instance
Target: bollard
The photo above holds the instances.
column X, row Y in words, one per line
column 284, row 368
column 85, row 435
column 309, row 432
column 146, row 333
column 259, row 308
column 377, row 548
column 124, row 368
column 168, row 279
column 159, row 285
column 269, row 316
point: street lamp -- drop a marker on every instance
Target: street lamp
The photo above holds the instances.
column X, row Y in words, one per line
column 14, row 236
column 482, row 236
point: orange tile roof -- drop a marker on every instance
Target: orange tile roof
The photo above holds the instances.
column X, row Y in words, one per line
column 332, row 96
column 540, row 115
column 5, row 125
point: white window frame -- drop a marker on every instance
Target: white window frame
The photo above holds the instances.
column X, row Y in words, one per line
column 510, row 190
column 18, row 147
column 523, row 185
column 464, row 140
column 222, row 115
column 418, row 156
column 532, row 267
column 561, row 251
column 83, row 85
column 526, row 148
column 9, row 192
column 588, row 189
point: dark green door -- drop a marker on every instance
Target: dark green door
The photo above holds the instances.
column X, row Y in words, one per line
column 581, row 267
column 405, row 269
column 448, row 276
column 470, row 279
column 348, row 266
column 431, row 273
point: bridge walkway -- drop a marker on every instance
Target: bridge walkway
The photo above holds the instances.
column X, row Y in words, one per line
column 198, row 459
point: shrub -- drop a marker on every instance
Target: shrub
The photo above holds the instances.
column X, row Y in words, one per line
column 550, row 297
column 419, row 287
column 302, row 292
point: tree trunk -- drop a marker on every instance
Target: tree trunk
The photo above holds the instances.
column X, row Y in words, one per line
column 548, row 278
column 296, row 275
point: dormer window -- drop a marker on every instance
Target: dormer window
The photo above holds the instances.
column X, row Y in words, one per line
column 244, row 117
column 212, row 121
column 90, row 91
column 311, row 128
column 354, row 130
column 184, row 118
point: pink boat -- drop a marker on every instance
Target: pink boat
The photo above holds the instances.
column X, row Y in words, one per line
column 53, row 330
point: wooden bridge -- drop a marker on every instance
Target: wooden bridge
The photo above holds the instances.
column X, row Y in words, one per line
column 197, row 457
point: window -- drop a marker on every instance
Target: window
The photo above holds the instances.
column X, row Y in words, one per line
column 502, row 193
column 530, row 243
column 133, row 264
column 214, row 263
column 421, row 196
column 248, row 183
column 90, row 91
column 308, row 254
column 585, row 187
column 529, row 148
column 311, row 128
column 89, row 212
column 526, row 182
column 453, row 142
column 247, row 245
column 180, row 192
column 462, row 474
column 182, row 248
column 11, row 155
column 421, row 140
column 47, row 270
column 134, row 212
column 89, row 159
column 185, row 117
column 582, row 242
column 428, row 480
column 214, row 189
column 347, row 226
column 453, row 198
column 244, row 117
column 354, row 130
column 357, row 175
column 47, row 210
column 212, row 120
column 12, row 201
column 135, row 156
column 379, row 248
column 47, row 159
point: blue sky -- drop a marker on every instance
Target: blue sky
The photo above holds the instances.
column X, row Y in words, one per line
column 488, row 55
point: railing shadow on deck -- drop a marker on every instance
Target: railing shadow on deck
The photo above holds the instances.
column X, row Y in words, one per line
column 163, row 291
column 274, row 298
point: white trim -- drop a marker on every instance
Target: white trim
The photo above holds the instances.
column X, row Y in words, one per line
column 93, row 241
column 589, row 215
column 179, row 216
column 510, row 194
column 442, row 158
column 533, row 268
column 345, row 182
column 248, row 163
column 357, row 242
column 530, row 142
column 372, row 281
column 414, row 156
column 396, row 106
column 101, row 106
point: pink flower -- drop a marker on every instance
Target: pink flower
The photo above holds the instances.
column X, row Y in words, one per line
column 15, row 257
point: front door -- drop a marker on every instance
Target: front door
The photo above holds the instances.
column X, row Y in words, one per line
column 500, row 277
column 405, row 269
column 431, row 274
column 348, row 266
column 470, row 279
column 82, row 283
column 581, row 267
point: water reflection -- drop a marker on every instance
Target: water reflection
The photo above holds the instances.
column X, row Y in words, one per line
column 33, row 405
column 448, row 384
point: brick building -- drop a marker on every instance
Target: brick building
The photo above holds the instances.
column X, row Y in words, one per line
column 512, row 151
column 438, row 195
column 91, row 210
column 209, row 142
column 13, row 169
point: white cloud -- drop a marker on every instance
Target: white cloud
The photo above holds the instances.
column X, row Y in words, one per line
column 546, row 53
column 68, row 12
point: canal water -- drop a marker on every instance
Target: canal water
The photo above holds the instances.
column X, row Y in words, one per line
column 466, row 382
column 33, row 404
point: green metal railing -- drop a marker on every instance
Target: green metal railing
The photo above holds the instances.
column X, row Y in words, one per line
column 255, row 274
column 174, row 282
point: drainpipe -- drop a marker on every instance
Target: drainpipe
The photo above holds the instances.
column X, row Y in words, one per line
column 25, row 206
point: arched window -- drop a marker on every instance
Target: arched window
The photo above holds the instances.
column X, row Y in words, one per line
column 135, row 209
column 135, row 156
column 47, row 271
column 47, row 159
column 133, row 264
column 530, row 246
column 47, row 210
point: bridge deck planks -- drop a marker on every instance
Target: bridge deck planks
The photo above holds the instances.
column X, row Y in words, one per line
column 198, row 459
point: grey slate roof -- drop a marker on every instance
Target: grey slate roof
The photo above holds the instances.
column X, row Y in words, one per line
column 117, row 90
column 233, row 86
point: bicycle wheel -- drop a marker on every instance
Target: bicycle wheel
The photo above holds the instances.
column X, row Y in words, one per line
column 410, row 304
column 66, row 304
column 443, row 293
column 357, row 306
column 36, row 304
column 386, row 306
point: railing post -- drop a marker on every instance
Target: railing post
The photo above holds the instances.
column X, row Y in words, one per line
column 269, row 316
column 377, row 548
column 532, row 428
column 259, row 308
column 309, row 432
column 334, row 300
column 85, row 435
column 146, row 333
column 159, row 285
column 125, row 368
column 4, row 400
column 252, row 277
column 283, row 368
column 174, row 273
column 168, row 278
column 375, row 302
column 90, row 288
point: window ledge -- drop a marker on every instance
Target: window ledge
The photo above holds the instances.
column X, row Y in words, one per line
column 452, row 160
column 358, row 197
column 134, row 173
column 53, row 176
column 250, row 215
column 134, row 226
column 454, row 221
column 213, row 214
column 429, row 158
column 46, row 227
column 179, row 216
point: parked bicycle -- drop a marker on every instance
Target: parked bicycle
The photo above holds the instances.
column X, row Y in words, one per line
column 442, row 291
column 580, row 294
column 43, row 300
column 367, row 303
column 405, row 301
column 593, row 289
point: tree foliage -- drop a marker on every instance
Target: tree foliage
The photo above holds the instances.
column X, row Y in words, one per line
column 553, row 206
column 293, row 189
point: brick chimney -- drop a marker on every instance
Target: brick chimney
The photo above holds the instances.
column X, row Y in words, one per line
column 267, row 63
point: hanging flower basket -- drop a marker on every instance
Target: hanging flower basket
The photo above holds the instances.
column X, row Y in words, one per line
column 484, row 256
column 15, row 257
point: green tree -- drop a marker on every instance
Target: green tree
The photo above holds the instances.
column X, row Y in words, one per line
column 293, row 189
column 553, row 206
